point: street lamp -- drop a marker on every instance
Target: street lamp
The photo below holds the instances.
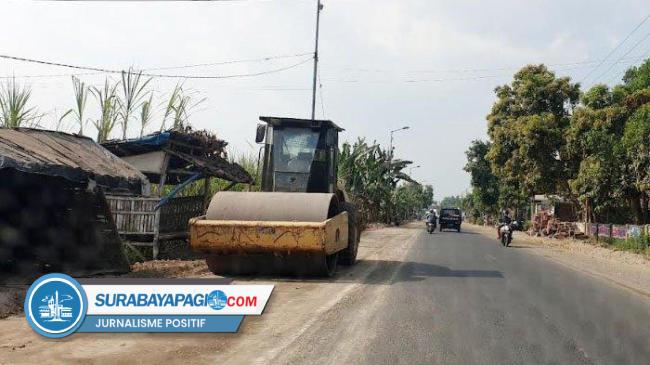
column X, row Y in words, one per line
column 390, row 148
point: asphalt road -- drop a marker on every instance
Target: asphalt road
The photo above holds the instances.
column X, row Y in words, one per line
column 413, row 298
column 461, row 298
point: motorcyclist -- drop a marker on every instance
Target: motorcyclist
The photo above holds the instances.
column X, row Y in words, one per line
column 505, row 219
column 432, row 217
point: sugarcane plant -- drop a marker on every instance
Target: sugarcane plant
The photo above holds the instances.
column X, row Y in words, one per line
column 133, row 90
column 109, row 105
column 178, row 108
column 14, row 106
column 81, row 97
column 146, row 113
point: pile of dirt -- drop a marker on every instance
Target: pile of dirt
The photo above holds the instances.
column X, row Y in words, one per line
column 11, row 301
column 13, row 297
column 169, row 269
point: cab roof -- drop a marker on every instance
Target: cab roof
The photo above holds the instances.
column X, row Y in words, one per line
column 304, row 123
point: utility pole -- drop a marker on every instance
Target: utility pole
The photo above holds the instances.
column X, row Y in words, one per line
column 319, row 7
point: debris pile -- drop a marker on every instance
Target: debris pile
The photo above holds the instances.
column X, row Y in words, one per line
column 545, row 224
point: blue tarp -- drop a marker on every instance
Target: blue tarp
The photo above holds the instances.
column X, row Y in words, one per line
column 152, row 140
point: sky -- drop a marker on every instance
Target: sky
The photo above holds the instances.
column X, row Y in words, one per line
column 384, row 64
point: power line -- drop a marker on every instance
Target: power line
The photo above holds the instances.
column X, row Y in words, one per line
column 156, row 75
column 626, row 53
column 616, row 48
column 468, row 70
column 471, row 78
column 270, row 58
column 215, row 77
column 643, row 56
column 261, row 59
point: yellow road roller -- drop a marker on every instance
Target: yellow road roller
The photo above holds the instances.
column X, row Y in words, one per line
column 300, row 223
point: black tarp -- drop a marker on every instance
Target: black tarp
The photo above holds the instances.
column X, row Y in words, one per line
column 48, row 224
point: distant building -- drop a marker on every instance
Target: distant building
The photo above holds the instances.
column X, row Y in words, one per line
column 555, row 205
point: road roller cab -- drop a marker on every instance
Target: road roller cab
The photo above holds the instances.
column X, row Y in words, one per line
column 300, row 223
column 299, row 155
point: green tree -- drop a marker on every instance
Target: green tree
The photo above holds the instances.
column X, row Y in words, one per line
column 637, row 78
column 593, row 158
column 526, row 126
column 597, row 97
column 636, row 143
column 412, row 197
column 453, row 201
column 485, row 185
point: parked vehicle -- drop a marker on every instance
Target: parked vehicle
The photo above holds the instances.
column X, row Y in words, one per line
column 450, row 218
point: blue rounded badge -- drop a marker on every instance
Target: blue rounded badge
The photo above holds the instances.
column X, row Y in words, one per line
column 55, row 305
column 217, row 299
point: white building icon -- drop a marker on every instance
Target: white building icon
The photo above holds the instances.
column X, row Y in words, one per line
column 54, row 311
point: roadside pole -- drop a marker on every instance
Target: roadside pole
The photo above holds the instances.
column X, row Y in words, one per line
column 319, row 7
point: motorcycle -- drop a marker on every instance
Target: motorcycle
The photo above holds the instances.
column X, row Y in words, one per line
column 431, row 223
column 506, row 235
column 505, row 232
column 431, row 227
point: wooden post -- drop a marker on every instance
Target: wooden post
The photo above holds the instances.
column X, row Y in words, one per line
column 156, row 228
column 206, row 192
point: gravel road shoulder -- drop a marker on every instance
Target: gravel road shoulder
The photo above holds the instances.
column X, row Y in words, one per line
column 297, row 306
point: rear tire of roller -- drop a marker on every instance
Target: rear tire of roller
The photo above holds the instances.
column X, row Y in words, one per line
column 349, row 254
column 331, row 262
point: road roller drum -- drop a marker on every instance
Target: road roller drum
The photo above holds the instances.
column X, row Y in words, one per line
column 271, row 233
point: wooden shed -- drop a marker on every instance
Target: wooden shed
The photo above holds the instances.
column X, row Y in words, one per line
column 171, row 159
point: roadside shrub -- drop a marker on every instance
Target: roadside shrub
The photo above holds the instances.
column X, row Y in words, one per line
column 639, row 244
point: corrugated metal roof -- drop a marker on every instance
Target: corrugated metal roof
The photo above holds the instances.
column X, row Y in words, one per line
column 73, row 157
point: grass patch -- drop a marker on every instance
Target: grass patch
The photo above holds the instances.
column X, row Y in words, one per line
column 640, row 245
